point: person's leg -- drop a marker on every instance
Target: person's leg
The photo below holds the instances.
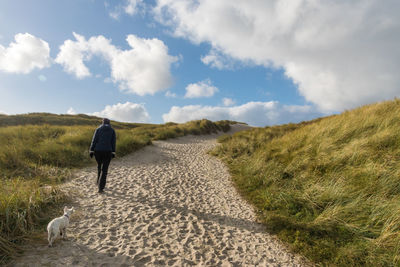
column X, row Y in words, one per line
column 104, row 170
column 99, row 159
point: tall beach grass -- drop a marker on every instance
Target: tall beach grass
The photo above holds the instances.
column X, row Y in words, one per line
column 329, row 187
column 36, row 158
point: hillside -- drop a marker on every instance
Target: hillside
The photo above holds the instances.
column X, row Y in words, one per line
column 330, row 187
column 59, row 120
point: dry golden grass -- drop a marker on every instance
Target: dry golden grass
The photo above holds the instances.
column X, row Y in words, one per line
column 38, row 157
column 330, row 187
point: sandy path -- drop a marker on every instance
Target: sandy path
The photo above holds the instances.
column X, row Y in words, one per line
column 169, row 204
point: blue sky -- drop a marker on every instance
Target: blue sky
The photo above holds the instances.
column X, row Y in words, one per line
column 261, row 62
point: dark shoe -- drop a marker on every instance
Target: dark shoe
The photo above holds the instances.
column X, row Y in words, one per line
column 101, row 191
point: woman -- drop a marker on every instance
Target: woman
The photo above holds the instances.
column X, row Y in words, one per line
column 103, row 149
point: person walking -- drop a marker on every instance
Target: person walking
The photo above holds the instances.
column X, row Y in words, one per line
column 103, row 149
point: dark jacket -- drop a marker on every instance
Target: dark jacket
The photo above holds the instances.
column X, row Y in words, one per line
column 104, row 139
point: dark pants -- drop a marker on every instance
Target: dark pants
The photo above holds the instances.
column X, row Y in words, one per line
column 103, row 159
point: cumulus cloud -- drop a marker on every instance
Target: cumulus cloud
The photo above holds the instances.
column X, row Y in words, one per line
column 130, row 7
column 127, row 112
column 341, row 54
column 200, row 89
column 170, row 94
column 72, row 54
column 228, row 102
column 253, row 113
column 25, row 54
column 71, row 111
column 217, row 60
column 143, row 69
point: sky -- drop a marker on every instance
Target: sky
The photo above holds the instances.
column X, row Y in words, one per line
column 256, row 61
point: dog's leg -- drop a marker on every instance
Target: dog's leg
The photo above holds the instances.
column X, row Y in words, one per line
column 51, row 238
column 64, row 233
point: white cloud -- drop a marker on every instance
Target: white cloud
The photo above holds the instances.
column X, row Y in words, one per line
column 228, row 102
column 42, row 78
column 71, row 111
column 127, row 112
column 143, row 69
column 72, row 54
column 25, row 54
column 253, row 113
column 130, row 7
column 217, row 60
column 108, row 80
column 170, row 94
column 115, row 14
column 341, row 54
column 200, row 89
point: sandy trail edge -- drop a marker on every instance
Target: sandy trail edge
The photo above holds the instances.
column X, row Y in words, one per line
column 169, row 204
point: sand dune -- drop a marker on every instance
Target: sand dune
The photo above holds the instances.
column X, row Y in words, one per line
column 169, row 204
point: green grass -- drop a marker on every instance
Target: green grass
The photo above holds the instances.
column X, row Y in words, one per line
column 34, row 159
column 329, row 187
column 59, row 120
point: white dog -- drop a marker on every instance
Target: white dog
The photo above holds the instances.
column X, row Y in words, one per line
column 58, row 226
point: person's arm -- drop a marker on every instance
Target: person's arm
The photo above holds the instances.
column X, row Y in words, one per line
column 94, row 140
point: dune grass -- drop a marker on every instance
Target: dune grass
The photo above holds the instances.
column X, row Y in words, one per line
column 36, row 158
column 59, row 120
column 329, row 187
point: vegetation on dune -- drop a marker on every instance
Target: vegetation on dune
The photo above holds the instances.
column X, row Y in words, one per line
column 59, row 120
column 35, row 158
column 330, row 187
